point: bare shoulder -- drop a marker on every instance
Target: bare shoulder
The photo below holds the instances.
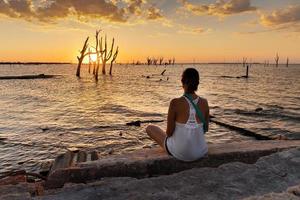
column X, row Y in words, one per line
column 177, row 101
column 203, row 101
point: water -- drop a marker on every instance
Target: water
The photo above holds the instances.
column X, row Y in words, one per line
column 42, row 118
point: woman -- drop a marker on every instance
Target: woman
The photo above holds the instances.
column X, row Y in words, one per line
column 187, row 122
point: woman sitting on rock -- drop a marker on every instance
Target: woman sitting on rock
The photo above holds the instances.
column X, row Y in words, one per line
column 188, row 118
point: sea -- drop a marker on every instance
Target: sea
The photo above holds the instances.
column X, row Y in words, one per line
column 42, row 118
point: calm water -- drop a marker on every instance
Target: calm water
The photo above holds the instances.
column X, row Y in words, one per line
column 42, row 118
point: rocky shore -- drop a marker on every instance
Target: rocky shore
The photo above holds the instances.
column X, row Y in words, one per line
column 253, row 170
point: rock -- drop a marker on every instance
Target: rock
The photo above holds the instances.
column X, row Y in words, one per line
column 45, row 167
column 292, row 193
column 62, row 161
column 229, row 181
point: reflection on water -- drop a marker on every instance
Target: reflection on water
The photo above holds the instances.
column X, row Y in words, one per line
column 42, row 118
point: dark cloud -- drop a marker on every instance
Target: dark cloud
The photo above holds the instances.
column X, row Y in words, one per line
column 220, row 7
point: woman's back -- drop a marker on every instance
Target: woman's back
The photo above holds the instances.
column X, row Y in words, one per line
column 182, row 108
column 187, row 142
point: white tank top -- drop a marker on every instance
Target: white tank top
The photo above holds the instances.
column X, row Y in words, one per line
column 188, row 142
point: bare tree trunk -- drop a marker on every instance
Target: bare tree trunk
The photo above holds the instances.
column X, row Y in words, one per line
column 113, row 60
column 82, row 55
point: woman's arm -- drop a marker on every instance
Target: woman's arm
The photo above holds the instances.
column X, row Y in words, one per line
column 207, row 115
column 171, row 118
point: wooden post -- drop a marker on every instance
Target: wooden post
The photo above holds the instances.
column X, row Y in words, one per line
column 247, row 71
column 82, row 55
column 287, row 62
column 173, row 61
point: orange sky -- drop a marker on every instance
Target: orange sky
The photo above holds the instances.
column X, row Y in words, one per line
column 189, row 30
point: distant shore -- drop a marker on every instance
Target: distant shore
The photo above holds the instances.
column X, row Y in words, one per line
column 34, row 63
column 179, row 63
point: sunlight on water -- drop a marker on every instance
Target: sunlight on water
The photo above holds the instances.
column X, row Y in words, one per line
column 42, row 118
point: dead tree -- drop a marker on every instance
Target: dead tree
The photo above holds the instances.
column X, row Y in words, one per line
column 173, row 61
column 154, row 61
column 105, row 54
column 276, row 59
column 82, row 55
column 161, row 59
column 113, row 60
column 90, row 60
column 98, row 54
column 149, row 61
column 287, row 62
column 244, row 61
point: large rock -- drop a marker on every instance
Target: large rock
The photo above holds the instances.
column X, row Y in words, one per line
column 270, row 174
column 292, row 193
column 154, row 162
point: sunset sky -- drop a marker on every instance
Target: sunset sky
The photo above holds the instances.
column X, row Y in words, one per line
column 189, row 30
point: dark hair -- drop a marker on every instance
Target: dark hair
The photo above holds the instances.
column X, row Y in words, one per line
column 190, row 77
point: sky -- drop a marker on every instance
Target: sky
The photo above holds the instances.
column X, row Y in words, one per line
column 189, row 30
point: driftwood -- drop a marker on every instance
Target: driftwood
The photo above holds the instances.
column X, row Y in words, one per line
column 234, row 77
column 39, row 76
column 162, row 73
column 138, row 122
column 241, row 130
column 213, row 119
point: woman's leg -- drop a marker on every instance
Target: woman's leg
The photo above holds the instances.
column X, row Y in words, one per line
column 157, row 134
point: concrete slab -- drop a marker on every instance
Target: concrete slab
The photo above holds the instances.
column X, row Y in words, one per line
column 271, row 177
column 154, row 162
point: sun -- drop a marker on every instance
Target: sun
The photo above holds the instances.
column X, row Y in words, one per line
column 94, row 57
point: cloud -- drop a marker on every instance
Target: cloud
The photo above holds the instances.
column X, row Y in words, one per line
column 220, row 8
column 184, row 29
column 288, row 17
column 154, row 13
column 85, row 10
column 100, row 9
column 16, row 8
column 134, row 6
